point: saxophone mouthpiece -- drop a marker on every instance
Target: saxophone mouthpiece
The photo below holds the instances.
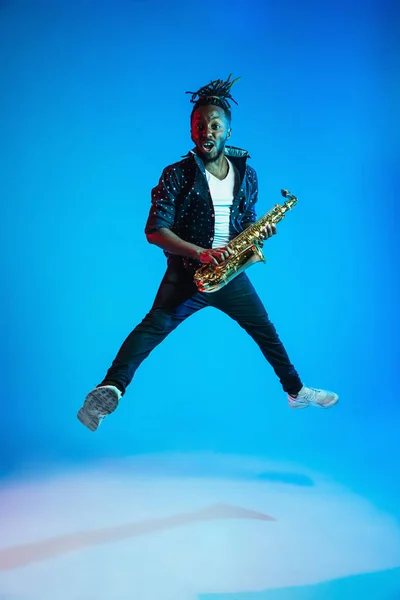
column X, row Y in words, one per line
column 285, row 193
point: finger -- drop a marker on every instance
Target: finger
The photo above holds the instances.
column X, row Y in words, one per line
column 220, row 252
column 210, row 258
column 207, row 258
column 215, row 256
column 220, row 255
column 227, row 252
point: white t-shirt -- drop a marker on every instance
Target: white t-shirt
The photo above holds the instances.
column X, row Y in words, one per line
column 222, row 194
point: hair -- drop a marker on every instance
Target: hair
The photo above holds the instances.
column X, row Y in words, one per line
column 215, row 93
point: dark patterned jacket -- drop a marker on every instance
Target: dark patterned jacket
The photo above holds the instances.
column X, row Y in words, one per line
column 182, row 201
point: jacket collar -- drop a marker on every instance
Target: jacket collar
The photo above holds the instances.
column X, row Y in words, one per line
column 230, row 151
column 237, row 155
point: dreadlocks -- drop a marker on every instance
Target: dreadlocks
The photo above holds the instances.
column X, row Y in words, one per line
column 217, row 92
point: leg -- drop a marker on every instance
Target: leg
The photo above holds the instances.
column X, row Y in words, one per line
column 240, row 301
column 176, row 300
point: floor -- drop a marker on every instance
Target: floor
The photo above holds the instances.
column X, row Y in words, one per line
column 193, row 527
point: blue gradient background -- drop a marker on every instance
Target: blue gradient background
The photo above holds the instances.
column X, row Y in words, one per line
column 92, row 108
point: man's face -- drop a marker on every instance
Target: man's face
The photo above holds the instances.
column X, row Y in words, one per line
column 210, row 130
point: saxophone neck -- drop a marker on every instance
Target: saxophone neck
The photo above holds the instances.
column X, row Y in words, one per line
column 279, row 210
column 274, row 215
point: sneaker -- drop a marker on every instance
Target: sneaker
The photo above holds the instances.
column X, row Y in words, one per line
column 313, row 397
column 99, row 403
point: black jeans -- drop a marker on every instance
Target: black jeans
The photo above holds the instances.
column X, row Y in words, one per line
column 177, row 298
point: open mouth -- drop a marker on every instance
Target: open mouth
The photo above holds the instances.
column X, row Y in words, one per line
column 207, row 146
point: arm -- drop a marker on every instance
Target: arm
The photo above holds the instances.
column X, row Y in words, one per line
column 162, row 217
column 170, row 242
column 167, row 240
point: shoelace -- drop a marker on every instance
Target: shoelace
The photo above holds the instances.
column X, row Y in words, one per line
column 312, row 395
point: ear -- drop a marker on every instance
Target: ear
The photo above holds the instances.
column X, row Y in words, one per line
column 229, row 133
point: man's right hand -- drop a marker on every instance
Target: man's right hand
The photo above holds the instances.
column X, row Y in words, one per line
column 168, row 240
column 215, row 256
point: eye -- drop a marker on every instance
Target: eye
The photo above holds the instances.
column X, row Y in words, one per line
column 216, row 126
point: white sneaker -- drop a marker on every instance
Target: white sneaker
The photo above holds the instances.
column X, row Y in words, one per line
column 313, row 397
column 99, row 403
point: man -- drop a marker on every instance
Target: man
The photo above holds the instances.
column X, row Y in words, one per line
column 199, row 205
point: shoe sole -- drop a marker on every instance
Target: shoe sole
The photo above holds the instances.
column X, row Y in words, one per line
column 98, row 404
column 299, row 407
column 332, row 403
column 90, row 422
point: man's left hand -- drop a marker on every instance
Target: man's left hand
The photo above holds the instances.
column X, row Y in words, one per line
column 268, row 231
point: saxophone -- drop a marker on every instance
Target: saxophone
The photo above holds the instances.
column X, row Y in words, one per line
column 246, row 249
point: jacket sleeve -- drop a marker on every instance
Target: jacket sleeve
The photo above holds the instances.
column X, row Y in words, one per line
column 163, row 197
column 250, row 215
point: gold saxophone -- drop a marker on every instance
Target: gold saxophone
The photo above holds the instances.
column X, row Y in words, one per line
column 246, row 249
